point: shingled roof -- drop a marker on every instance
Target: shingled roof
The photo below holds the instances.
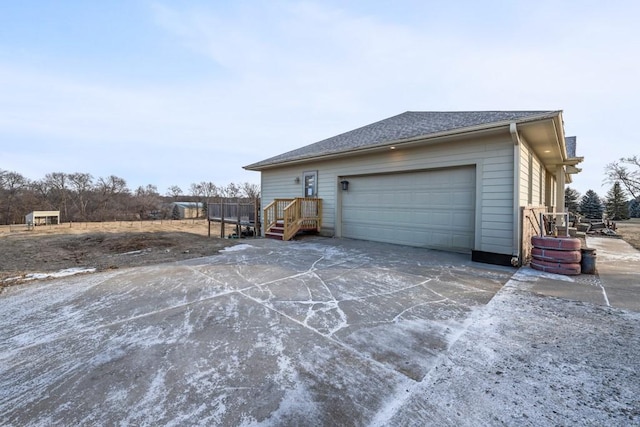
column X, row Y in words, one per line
column 408, row 125
column 570, row 142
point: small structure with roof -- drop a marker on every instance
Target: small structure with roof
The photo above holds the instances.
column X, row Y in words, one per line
column 42, row 218
column 186, row 210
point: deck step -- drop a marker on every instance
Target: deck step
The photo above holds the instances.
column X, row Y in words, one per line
column 274, row 235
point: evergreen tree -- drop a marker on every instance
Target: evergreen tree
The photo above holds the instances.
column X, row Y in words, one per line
column 591, row 206
column 634, row 208
column 571, row 198
column 617, row 206
column 176, row 212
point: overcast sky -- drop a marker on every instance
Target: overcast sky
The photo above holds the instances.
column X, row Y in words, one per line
column 172, row 93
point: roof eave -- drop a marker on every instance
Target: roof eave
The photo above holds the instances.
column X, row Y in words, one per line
column 432, row 138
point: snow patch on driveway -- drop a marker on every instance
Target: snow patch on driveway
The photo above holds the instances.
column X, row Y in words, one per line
column 55, row 275
column 236, row 248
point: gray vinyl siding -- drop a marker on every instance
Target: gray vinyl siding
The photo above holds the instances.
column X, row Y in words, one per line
column 524, row 175
column 491, row 156
column 531, row 191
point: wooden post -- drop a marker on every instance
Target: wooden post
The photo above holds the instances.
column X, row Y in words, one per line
column 221, row 220
column 238, row 228
column 256, row 217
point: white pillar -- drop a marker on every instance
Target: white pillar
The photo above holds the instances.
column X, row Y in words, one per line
column 560, row 189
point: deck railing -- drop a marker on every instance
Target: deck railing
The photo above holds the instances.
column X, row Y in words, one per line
column 300, row 213
column 274, row 212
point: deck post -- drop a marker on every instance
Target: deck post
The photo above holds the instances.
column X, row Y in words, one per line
column 222, row 220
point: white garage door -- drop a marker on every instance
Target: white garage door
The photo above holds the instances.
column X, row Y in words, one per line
column 433, row 209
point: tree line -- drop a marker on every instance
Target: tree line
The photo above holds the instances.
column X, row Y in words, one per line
column 624, row 174
column 615, row 205
column 81, row 197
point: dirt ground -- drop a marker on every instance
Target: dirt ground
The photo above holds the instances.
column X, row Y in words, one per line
column 104, row 246
column 121, row 244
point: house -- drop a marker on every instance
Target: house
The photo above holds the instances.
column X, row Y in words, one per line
column 42, row 218
column 186, row 210
column 457, row 181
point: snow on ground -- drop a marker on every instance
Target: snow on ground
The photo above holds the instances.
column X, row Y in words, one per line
column 54, row 275
column 531, row 360
column 320, row 332
column 235, row 248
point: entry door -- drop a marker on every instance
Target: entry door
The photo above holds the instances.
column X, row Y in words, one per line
column 310, row 184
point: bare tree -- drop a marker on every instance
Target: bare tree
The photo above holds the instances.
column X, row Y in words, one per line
column 195, row 190
column 147, row 200
column 81, row 187
column 113, row 185
column 111, row 191
column 627, row 172
column 231, row 190
column 79, row 197
column 41, row 194
column 250, row 190
column 174, row 191
column 203, row 192
column 209, row 190
column 12, row 184
column 58, row 189
column 204, row 189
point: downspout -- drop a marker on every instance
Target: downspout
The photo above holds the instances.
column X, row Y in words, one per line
column 515, row 260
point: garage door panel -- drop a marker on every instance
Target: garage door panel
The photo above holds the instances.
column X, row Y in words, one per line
column 427, row 209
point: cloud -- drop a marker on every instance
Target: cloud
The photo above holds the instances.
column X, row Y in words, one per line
column 273, row 76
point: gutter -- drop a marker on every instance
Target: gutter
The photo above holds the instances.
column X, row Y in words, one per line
column 433, row 138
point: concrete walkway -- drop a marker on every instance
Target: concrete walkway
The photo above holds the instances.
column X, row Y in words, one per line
column 618, row 266
column 616, row 284
column 547, row 350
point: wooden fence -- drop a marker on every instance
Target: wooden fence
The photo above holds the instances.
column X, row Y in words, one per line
column 243, row 214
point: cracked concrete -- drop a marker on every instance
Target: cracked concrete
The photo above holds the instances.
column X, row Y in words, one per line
column 313, row 332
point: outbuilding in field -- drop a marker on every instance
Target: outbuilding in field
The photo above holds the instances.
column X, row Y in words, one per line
column 186, row 210
column 42, row 218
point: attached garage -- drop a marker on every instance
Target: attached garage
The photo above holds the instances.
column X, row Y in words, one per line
column 434, row 209
column 461, row 181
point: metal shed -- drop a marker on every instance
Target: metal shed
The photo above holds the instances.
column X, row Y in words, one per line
column 42, row 218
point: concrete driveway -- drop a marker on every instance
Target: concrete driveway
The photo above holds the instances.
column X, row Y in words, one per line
column 318, row 332
column 313, row 332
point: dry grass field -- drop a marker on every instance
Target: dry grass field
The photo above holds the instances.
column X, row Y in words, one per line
column 107, row 245
column 193, row 226
column 630, row 231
